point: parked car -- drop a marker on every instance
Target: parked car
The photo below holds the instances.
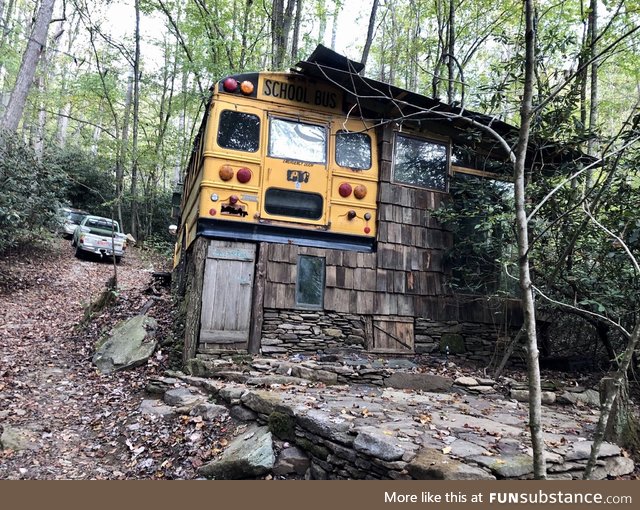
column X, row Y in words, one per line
column 101, row 236
column 70, row 219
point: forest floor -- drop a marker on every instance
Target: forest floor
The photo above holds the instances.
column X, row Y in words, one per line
column 72, row 421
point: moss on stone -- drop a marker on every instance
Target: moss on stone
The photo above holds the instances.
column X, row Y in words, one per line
column 282, row 426
column 314, row 449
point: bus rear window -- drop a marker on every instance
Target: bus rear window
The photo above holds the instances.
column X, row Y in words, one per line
column 353, row 150
column 295, row 140
column 239, row 131
column 297, row 204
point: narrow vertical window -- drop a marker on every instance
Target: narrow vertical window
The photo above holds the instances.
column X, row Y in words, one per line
column 310, row 282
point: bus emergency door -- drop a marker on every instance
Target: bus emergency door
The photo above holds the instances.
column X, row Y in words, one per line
column 295, row 177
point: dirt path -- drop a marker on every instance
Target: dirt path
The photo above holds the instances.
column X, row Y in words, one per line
column 64, row 420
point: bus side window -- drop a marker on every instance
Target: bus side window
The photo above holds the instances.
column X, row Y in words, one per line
column 353, row 150
column 239, row 131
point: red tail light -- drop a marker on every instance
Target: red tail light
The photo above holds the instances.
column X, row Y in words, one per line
column 345, row 189
column 230, row 85
column 244, row 175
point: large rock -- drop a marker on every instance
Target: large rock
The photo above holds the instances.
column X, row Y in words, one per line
column 415, row 381
column 248, row 456
column 291, row 460
column 431, row 464
column 209, row 411
column 378, row 445
column 183, row 397
column 13, row 438
column 587, row 397
column 521, row 395
column 613, row 467
column 507, row 466
column 157, row 408
column 324, row 425
column 582, row 450
column 262, row 402
column 130, row 344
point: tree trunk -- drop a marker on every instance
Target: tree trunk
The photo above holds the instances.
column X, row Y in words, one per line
column 322, row 21
column 134, row 141
column 35, row 46
column 451, row 48
column 533, row 366
column 124, row 144
column 369, row 40
column 280, row 27
column 295, row 38
column 334, row 25
column 593, row 101
column 612, row 387
column 435, row 81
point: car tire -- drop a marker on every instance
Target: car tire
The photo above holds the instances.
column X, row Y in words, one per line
column 79, row 253
column 118, row 259
column 73, row 242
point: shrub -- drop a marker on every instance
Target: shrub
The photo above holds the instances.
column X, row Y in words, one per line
column 31, row 194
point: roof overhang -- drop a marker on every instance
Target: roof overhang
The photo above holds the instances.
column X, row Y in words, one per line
column 373, row 99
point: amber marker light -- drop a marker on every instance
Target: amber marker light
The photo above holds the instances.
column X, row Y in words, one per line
column 246, row 87
column 243, row 175
column 360, row 192
column 345, row 189
column 226, row 172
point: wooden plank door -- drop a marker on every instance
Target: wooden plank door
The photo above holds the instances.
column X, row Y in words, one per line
column 225, row 317
column 393, row 334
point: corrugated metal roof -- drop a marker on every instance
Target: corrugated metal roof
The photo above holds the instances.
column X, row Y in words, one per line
column 378, row 100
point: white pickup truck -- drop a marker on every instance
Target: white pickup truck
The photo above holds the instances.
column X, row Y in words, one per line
column 101, row 236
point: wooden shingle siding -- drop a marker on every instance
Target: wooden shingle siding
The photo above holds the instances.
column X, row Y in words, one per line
column 404, row 277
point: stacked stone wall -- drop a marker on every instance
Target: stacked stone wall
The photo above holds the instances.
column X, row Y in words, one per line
column 290, row 332
column 311, row 332
column 476, row 342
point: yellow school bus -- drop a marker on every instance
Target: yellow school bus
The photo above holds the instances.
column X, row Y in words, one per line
column 277, row 158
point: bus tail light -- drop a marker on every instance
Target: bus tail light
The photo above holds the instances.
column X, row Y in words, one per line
column 212, row 212
column 246, row 87
column 230, row 85
column 345, row 189
column 244, row 175
column 226, row 173
column 351, row 214
column 367, row 230
column 360, row 192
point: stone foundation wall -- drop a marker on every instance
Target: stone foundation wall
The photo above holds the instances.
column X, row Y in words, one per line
column 290, row 332
column 297, row 331
column 467, row 340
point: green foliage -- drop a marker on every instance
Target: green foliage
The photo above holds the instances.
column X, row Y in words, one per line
column 90, row 179
column 481, row 217
column 31, row 194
